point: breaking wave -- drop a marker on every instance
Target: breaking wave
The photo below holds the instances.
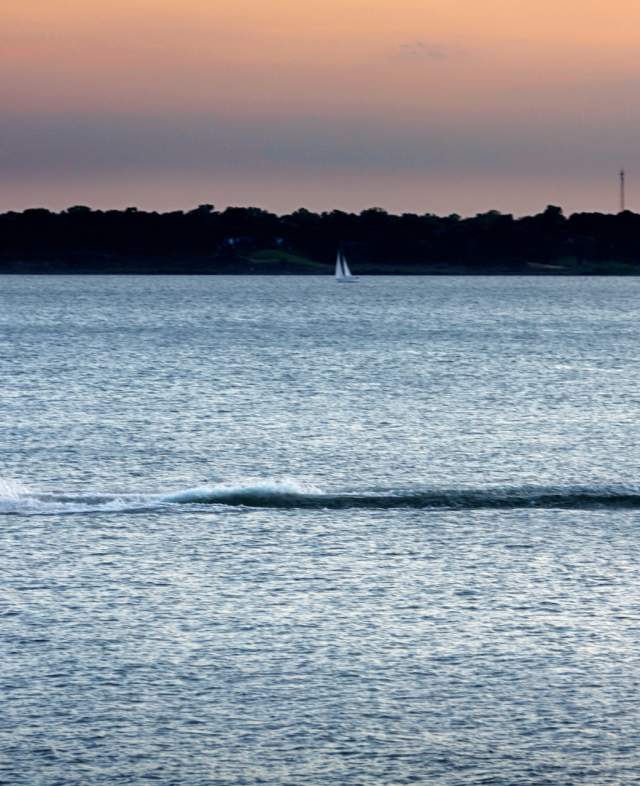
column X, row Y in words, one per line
column 283, row 495
column 15, row 498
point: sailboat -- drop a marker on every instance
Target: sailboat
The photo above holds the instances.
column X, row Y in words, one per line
column 343, row 274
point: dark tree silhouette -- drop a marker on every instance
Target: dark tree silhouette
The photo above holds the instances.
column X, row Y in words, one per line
column 249, row 239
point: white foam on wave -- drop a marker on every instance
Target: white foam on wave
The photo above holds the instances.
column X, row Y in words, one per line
column 13, row 495
column 12, row 489
column 16, row 498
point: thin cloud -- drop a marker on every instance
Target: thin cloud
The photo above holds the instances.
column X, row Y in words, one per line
column 423, row 50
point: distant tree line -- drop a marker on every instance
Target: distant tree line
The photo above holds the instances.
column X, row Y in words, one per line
column 205, row 240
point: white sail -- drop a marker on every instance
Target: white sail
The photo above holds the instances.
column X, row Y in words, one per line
column 343, row 274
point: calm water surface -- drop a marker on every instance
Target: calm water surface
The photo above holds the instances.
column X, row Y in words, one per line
column 278, row 531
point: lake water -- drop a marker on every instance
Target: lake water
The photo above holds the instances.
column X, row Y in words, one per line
column 278, row 531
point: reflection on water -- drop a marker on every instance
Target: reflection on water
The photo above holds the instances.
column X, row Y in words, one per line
column 273, row 530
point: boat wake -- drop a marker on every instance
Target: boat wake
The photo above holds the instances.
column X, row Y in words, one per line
column 18, row 499
column 275, row 495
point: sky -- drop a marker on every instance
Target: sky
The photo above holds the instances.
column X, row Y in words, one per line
column 427, row 106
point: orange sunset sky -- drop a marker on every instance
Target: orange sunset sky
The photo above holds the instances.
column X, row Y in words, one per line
column 413, row 105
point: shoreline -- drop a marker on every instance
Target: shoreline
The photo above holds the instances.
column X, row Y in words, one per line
column 187, row 268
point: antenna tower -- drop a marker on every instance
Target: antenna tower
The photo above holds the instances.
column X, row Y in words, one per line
column 622, row 194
